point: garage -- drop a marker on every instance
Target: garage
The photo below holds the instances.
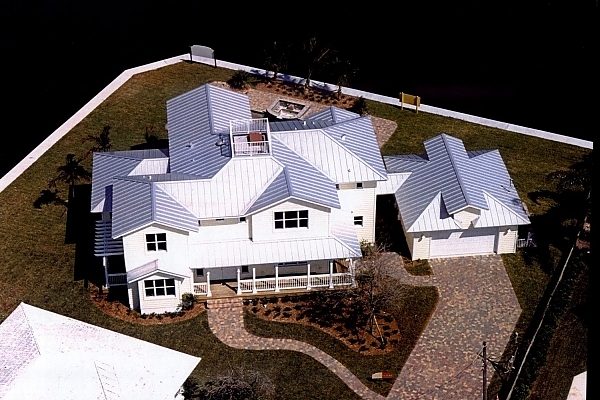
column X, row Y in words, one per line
column 463, row 243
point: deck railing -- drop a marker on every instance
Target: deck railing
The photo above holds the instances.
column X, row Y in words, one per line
column 249, row 125
column 201, row 289
column 294, row 282
column 116, row 279
column 250, row 148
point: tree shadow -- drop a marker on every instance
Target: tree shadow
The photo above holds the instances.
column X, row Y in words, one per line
column 50, row 197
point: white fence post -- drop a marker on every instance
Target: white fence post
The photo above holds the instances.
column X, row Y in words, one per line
column 330, row 274
column 208, row 293
column 239, row 288
column 352, row 273
column 277, row 278
column 308, row 287
column 254, row 280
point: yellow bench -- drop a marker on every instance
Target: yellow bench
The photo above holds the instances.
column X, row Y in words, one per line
column 409, row 99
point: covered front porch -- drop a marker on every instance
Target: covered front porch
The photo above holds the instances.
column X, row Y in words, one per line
column 248, row 280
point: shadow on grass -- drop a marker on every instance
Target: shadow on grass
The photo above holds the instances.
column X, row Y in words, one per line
column 152, row 144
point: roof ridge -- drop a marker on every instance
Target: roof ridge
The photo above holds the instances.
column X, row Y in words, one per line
column 30, row 326
column 455, row 168
column 211, row 122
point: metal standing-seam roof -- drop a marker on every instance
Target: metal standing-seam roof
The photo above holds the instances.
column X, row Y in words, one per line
column 333, row 115
column 460, row 179
column 139, row 202
column 46, row 355
column 297, row 125
column 194, row 120
column 121, row 163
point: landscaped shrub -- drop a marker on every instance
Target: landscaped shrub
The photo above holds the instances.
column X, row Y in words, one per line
column 285, row 299
column 246, row 302
column 268, row 312
column 239, row 80
column 360, row 106
column 277, row 308
column 287, row 309
column 254, row 309
column 298, row 307
column 187, row 301
column 287, row 315
column 363, row 348
column 274, row 300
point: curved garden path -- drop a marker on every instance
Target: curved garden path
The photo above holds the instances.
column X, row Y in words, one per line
column 476, row 303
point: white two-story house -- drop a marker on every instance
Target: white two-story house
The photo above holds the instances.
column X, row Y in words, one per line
column 260, row 205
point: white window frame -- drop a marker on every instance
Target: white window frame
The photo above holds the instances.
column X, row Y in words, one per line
column 156, row 287
column 152, row 239
column 285, row 217
column 359, row 220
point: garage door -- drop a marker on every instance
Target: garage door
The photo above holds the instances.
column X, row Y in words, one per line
column 463, row 243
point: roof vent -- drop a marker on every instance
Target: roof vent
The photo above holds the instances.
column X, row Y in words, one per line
column 220, row 142
column 189, row 145
column 343, row 137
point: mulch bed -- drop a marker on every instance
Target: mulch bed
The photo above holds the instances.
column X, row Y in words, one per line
column 331, row 314
column 114, row 308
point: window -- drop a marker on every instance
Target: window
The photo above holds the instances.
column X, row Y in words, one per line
column 156, row 241
column 358, row 221
column 200, row 272
column 244, row 269
column 242, row 219
column 359, row 185
column 159, row 287
column 337, row 186
column 291, row 219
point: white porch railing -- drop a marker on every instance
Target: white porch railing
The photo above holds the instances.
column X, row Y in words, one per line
column 249, row 125
column 294, row 282
column 250, row 148
column 116, row 279
column 201, row 289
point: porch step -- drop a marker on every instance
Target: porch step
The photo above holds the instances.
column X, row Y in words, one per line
column 228, row 302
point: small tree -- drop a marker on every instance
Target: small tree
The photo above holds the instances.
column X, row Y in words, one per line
column 314, row 56
column 239, row 79
column 360, row 106
column 101, row 142
column 376, row 288
column 71, row 173
column 276, row 58
column 342, row 72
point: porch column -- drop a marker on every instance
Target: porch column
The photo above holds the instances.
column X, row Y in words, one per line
column 352, row 272
column 208, row 293
column 308, row 287
column 239, row 289
column 276, row 278
column 104, row 264
column 330, row 274
column 254, row 291
column 192, row 281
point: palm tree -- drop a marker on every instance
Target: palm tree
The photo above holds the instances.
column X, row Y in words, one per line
column 101, row 142
column 343, row 72
column 71, row 173
column 315, row 56
column 276, row 59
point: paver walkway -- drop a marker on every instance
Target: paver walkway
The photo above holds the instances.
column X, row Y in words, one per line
column 476, row 303
column 226, row 321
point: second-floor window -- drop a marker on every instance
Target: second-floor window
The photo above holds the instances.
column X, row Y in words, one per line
column 291, row 219
column 156, row 241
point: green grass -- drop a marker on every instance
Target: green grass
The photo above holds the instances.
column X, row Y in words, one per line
column 413, row 315
column 37, row 262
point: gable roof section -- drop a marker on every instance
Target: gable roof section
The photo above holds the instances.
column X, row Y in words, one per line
column 333, row 115
column 297, row 125
column 195, row 118
column 108, row 165
column 138, row 203
column 459, row 177
column 230, row 192
column 50, row 349
column 328, row 155
column 358, row 137
column 151, row 268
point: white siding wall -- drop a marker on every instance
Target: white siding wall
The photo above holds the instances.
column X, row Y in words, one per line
column 507, row 239
column 420, row 246
column 217, row 231
column 160, row 304
column 263, row 227
column 361, row 202
column 136, row 254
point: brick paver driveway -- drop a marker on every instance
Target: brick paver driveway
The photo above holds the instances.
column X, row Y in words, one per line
column 477, row 304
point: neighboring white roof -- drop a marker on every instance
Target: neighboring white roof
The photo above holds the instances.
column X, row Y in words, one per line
column 393, row 183
column 578, row 387
column 44, row 355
